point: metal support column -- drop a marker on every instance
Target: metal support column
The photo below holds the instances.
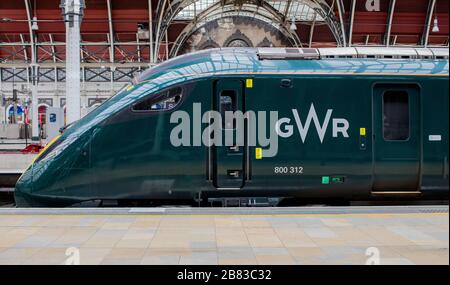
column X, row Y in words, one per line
column 340, row 6
column 387, row 37
column 352, row 21
column 426, row 32
column 311, row 31
column 150, row 29
column 32, row 26
column 72, row 11
column 111, row 32
column 34, row 102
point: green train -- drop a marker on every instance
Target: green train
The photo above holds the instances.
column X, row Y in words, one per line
column 258, row 126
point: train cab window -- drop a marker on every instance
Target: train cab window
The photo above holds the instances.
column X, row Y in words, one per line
column 228, row 103
column 396, row 115
column 164, row 101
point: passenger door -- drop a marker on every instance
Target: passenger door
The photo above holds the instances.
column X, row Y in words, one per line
column 397, row 137
column 229, row 161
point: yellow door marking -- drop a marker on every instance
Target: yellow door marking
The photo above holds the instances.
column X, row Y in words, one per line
column 259, row 154
column 249, row 83
column 362, row 131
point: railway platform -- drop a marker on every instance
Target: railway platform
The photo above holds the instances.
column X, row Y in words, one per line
column 301, row 235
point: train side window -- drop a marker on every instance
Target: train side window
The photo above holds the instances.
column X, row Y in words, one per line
column 396, row 115
column 164, row 101
column 228, row 103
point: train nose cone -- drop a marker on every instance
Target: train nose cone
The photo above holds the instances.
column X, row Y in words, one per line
column 22, row 191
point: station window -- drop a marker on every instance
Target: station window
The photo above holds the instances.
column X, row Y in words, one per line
column 164, row 101
column 396, row 115
column 228, row 103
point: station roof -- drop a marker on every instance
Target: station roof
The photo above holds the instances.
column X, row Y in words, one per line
column 114, row 30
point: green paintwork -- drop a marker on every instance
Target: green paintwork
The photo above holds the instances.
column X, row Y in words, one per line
column 227, row 159
column 114, row 153
column 397, row 163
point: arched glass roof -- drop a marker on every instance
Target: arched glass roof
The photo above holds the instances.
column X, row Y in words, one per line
column 194, row 9
column 298, row 9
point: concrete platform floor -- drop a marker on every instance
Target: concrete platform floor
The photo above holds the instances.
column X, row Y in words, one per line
column 397, row 235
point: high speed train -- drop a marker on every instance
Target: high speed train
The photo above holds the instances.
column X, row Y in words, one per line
column 255, row 124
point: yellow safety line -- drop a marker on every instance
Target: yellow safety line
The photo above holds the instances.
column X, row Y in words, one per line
column 224, row 215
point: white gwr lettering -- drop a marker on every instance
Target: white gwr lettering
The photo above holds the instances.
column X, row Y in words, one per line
column 339, row 125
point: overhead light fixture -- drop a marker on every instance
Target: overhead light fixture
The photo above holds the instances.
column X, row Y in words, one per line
column 6, row 20
column 293, row 26
column 34, row 26
column 435, row 26
column 142, row 31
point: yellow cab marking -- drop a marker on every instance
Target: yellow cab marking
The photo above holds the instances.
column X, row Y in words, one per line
column 259, row 154
column 46, row 147
column 39, row 154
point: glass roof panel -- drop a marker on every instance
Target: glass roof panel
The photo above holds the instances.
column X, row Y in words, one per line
column 298, row 9
column 195, row 8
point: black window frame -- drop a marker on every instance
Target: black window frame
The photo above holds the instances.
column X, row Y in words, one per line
column 234, row 107
column 160, row 96
column 386, row 92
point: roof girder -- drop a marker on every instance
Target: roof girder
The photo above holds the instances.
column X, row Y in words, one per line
column 168, row 9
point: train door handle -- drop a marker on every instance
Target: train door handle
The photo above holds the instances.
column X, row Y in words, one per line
column 235, row 148
column 234, row 174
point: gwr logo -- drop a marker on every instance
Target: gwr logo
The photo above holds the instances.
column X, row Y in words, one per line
column 339, row 125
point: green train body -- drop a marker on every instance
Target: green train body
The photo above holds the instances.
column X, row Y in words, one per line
column 346, row 128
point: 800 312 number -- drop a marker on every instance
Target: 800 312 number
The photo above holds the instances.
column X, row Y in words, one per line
column 289, row 170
